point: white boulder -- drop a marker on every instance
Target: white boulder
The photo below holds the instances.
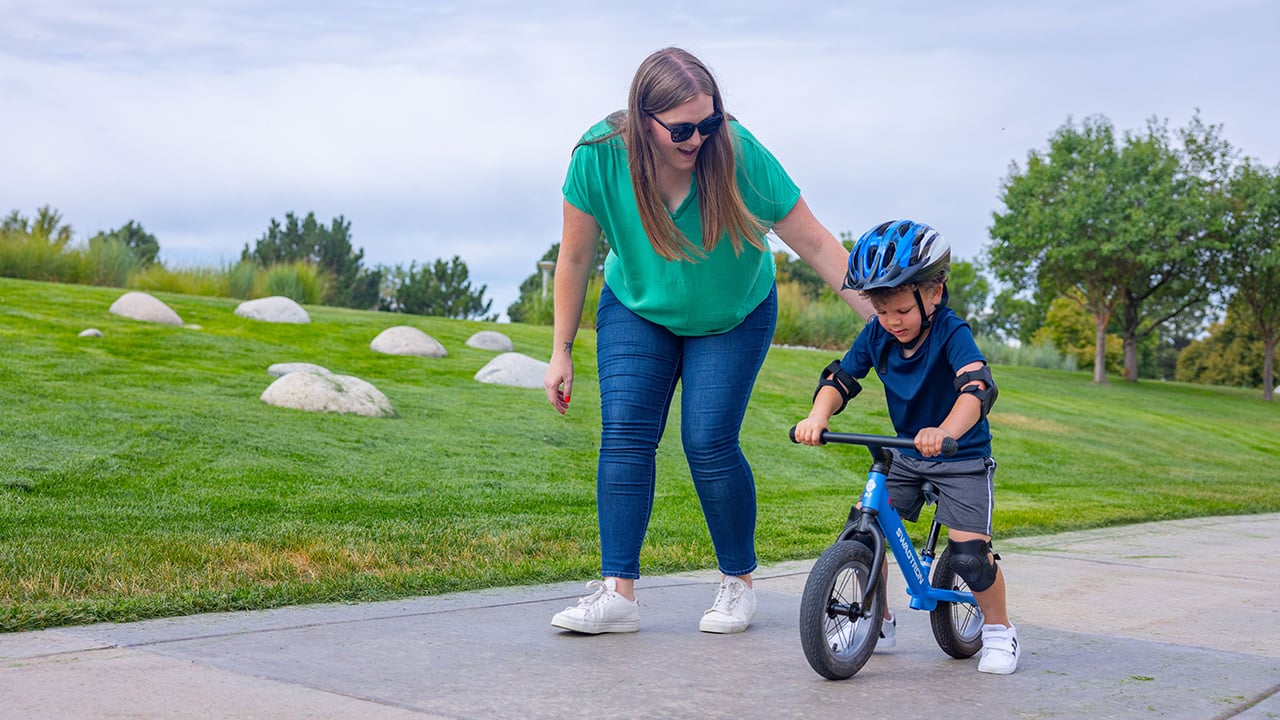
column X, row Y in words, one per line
column 406, row 340
column 277, row 309
column 282, row 369
column 490, row 340
column 513, row 369
column 143, row 306
column 316, row 392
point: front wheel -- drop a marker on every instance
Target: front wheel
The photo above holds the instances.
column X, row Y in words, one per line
column 956, row 626
column 837, row 634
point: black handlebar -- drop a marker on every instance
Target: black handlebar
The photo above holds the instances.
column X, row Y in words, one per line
column 948, row 444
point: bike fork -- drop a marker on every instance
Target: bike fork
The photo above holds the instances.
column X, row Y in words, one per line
column 862, row 524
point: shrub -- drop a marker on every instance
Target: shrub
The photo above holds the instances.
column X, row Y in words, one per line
column 827, row 322
column 299, row 280
column 1041, row 355
column 242, row 279
column 30, row 257
column 206, row 282
column 109, row 262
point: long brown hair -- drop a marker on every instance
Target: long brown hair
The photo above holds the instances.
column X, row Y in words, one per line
column 666, row 79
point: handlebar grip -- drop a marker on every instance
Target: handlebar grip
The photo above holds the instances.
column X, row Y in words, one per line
column 949, row 445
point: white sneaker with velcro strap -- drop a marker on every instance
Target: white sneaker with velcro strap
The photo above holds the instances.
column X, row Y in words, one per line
column 1000, row 650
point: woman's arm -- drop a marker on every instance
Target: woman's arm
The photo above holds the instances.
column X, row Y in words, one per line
column 573, row 267
column 815, row 244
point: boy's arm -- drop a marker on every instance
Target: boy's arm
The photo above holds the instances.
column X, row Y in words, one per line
column 825, row 403
column 965, row 413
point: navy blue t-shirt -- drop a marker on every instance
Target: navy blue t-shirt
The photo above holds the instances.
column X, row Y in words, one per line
column 920, row 390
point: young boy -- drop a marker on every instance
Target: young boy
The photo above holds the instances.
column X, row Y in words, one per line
column 937, row 385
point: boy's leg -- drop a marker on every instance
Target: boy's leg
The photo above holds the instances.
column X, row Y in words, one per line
column 991, row 600
column 1000, row 649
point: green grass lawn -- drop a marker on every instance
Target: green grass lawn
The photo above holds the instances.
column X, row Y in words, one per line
column 141, row 476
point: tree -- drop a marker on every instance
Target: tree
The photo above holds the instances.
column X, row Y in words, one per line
column 1253, row 229
column 1014, row 316
column 442, row 289
column 47, row 226
column 525, row 308
column 143, row 244
column 1069, row 329
column 1230, row 355
column 1129, row 227
column 1173, row 199
column 1055, row 223
column 967, row 291
column 14, row 222
column 795, row 270
column 331, row 251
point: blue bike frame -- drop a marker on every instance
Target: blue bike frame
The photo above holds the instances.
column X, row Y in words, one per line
column 879, row 520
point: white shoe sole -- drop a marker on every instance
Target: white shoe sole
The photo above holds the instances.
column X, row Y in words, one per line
column 595, row 628
column 997, row 670
column 710, row 624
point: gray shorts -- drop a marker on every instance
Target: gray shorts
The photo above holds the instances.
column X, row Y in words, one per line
column 966, row 490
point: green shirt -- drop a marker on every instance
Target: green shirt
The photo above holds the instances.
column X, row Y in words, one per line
column 705, row 296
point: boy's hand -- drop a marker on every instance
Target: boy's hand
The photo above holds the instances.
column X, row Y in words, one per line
column 809, row 431
column 929, row 441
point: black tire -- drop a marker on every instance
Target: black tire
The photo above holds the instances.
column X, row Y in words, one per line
column 956, row 626
column 836, row 645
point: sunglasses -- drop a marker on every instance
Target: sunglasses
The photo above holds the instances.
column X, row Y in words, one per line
column 683, row 131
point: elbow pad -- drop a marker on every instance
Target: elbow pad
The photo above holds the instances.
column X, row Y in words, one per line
column 834, row 376
column 987, row 396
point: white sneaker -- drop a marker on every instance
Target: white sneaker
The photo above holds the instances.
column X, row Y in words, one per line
column 1000, row 649
column 888, row 633
column 603, row 611
column 733, row 609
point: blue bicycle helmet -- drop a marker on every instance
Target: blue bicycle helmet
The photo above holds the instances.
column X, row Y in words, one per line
column 896, row 253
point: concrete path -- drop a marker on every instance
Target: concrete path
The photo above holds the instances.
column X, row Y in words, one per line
column 1178, row 619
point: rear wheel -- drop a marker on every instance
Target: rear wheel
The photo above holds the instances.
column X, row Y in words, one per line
column 838, row 637
column 956, row 626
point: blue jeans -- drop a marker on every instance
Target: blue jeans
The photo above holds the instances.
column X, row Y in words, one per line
column 640, row 363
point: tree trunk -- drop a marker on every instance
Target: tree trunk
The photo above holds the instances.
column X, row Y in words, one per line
column 1130, row 359
column 1100, row 351
column 1268, row 366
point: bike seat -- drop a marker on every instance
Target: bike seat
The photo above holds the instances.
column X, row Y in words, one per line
column 930, row 493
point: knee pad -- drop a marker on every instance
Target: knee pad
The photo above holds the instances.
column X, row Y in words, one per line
column 970, row 561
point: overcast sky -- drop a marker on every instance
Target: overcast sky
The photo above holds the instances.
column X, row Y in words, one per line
column 444, row 128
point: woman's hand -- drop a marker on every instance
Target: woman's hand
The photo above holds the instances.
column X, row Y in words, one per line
column 559, row 380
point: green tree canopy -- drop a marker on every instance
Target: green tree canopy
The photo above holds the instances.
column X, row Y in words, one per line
column 1015, row 315
column 143, row 244
column 1230, row 355
column 1128, row 226
column 329, row 248
column 47, row 227
column 1069, row 329
column 441, row 289
column 967, row 293
column 1253, row 252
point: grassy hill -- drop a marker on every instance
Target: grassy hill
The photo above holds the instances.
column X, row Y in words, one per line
column 141, row 476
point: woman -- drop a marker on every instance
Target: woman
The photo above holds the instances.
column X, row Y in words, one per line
column 684, row 195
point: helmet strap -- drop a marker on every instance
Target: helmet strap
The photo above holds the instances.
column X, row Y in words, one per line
column 926, row 321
